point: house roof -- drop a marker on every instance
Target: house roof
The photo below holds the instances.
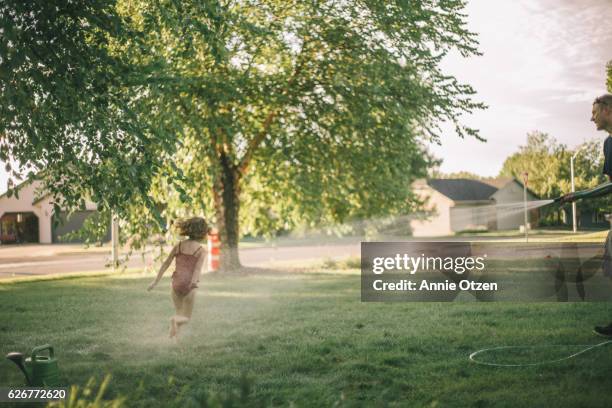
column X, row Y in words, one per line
column 498, row 182
column 23, row 184
column 463, row 189
column 472, row 190
column 18, row 186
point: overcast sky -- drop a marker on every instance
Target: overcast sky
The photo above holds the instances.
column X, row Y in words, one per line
column 543, row 64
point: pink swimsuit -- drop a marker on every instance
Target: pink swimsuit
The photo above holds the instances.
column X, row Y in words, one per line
column 183, row 274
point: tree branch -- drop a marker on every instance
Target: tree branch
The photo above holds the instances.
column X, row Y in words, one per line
column 254, row 144
column 256, row 141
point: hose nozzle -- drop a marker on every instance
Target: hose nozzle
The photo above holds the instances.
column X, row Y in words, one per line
column 567, row 198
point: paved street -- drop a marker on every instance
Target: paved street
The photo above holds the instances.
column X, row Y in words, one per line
column 34, row 260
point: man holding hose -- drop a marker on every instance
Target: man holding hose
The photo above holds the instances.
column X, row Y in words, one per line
column 602, row 117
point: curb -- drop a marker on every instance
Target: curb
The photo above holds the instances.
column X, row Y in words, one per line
column 71, row 275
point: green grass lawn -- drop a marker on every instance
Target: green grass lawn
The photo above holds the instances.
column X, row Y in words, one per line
column 301, row 338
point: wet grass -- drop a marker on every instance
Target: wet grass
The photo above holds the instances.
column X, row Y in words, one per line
column 301, row 338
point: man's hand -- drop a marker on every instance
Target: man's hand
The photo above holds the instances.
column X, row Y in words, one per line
column 151, row 286
column 567, row 198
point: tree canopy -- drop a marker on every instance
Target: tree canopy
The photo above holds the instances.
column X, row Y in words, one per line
column 304, row 112
column 263, row 115
column 70, row 108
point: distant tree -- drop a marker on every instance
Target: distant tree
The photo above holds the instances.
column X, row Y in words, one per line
column 457, row 175
column 548, row 165
column 588, row 167
column 609, row 80
column 546, row 161
column 301, row 112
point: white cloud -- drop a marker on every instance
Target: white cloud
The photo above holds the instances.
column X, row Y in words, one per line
column 543, row 64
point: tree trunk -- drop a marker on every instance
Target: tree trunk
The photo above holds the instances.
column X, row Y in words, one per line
column 227, row 206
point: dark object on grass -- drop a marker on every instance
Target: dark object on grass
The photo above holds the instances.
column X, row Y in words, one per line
column 604, row 331
column 39, row 370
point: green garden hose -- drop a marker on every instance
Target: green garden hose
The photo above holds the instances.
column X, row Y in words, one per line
column 587, row 347
column 598, row 191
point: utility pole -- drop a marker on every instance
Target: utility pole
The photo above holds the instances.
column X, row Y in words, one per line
column 574, row 227
column 114, row 241
column 525, row 177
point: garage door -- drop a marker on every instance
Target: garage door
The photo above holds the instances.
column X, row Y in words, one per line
column 73, row 223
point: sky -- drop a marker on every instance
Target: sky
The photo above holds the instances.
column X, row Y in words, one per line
column 543, row 63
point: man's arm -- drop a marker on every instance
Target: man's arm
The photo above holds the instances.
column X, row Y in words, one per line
column 598, row 191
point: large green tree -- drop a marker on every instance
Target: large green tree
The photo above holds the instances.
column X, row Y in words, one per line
column 71, row 111
column 297, row 112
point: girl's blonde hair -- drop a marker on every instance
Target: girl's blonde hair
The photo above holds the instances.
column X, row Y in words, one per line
column 194, row 227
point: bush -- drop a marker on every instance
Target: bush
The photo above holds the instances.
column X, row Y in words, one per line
column 347, row 263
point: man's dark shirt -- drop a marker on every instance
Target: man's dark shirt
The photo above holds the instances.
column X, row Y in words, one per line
column 607, row 263
column 607, row 170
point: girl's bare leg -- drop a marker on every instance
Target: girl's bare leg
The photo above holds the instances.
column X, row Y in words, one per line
column 184, row 308
column 188, row 302
column 173, row 327
column 177, row 300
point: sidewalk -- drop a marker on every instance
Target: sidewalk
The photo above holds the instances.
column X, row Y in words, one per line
column 43, row 250
column 28, row 251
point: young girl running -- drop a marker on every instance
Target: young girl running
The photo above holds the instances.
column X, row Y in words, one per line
column 190, row 256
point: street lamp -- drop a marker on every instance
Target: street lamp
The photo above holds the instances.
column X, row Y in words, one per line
column 574, row 188
column 525, row 178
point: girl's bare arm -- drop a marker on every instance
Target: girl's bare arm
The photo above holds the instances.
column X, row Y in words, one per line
column 163, row 267
column 198, row 268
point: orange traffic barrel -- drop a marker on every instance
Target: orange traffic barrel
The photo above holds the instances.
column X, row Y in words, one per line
column 214, row 245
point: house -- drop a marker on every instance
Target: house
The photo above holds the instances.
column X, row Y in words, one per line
column 27, row 217
column 454, row 205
